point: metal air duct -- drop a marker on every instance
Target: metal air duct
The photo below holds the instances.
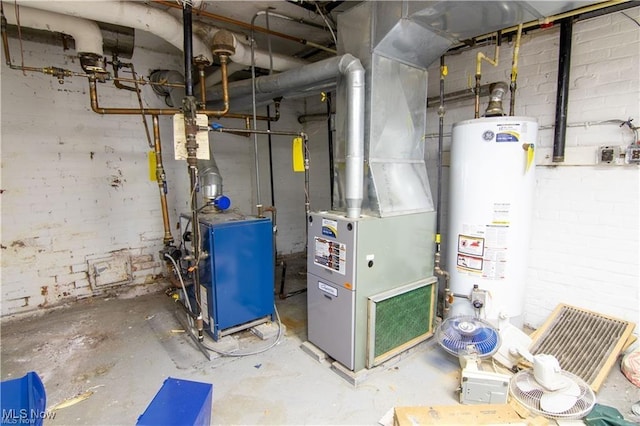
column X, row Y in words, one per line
column 352, row 73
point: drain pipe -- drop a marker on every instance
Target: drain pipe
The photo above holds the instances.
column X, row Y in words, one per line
column 437, row 268
column 562, row 94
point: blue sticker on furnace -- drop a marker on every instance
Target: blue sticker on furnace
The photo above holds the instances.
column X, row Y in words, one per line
column 330, row 228
column 329, row 231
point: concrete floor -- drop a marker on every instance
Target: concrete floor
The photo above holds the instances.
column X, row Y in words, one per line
column 123, row 349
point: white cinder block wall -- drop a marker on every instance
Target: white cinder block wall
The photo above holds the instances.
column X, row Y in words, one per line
column 75, row 184
column 584, row 248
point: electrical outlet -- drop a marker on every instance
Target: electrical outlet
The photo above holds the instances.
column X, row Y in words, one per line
column 608, row 154
column 633, row 154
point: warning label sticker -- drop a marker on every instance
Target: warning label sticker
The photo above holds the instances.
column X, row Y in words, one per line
column 468, row 244
column 331, row 255
column 470, row 263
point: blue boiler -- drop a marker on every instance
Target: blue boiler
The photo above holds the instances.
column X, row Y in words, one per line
column 237, row 276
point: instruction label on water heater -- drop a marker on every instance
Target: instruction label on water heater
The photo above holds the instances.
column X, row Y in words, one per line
column 482, row 250
column 331, row 255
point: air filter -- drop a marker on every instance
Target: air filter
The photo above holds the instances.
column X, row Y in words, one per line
column 458, row 334
column 585, row 343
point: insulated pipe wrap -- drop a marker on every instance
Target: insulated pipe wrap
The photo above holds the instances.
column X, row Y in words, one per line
column 86, row 34
column 129, row 14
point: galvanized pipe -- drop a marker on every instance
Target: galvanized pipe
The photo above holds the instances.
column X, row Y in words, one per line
column 275, row 85
column 355, row 135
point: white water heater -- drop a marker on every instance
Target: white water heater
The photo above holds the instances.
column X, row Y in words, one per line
column 492, row 181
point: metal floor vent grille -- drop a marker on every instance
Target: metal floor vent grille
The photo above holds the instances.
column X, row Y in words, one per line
column 585, row 343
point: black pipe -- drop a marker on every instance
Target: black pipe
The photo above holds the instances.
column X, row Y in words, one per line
column 188, row 49
column 273, row 198
column 562, row 94
column 440, row 149
column 330, row 140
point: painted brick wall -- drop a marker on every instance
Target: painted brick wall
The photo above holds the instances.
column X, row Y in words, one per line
column 75, row 184
column 586, row 231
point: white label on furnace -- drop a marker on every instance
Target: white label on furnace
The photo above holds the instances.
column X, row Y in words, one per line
column 328, row 289
column 330, row 254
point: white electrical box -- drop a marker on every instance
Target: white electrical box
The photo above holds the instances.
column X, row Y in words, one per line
column 483, row 387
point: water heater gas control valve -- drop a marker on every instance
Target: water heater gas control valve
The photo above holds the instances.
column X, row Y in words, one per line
column 478, row 297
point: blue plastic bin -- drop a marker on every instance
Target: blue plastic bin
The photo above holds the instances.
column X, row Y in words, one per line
column 179, row 402
column 23, row 401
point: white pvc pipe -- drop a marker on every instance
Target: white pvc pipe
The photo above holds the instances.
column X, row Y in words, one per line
column 134, row 15
column 86, row 34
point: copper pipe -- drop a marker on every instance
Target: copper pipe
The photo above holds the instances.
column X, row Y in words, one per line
column 143, row 82
column 162, row 183
column 241, row 24
column 93, row 95
column 203, row 89
column 116, row 79
column 225, row 85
